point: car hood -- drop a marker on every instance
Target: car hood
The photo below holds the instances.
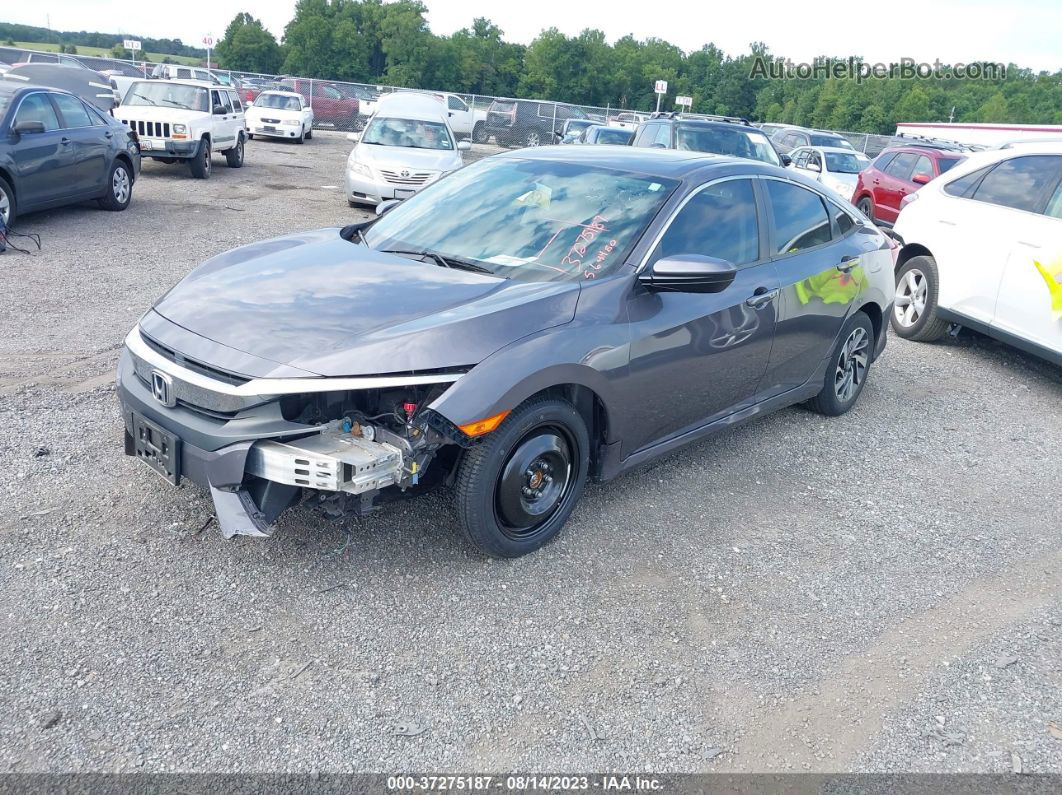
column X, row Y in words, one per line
column 399, row 157
column 328, row 306
column 156, row 113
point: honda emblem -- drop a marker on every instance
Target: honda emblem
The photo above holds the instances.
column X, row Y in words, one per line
column 162, row 388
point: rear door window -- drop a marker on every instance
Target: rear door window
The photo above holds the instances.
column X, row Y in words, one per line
column 883, row 161
column 646, row 135
column 72, row 111
column 800, row 219
column 1022, row 183
column 963, row 186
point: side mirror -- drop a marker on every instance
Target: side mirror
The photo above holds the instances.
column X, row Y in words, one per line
column 464, row 146
column 219, row 110
column 920, row 179
column 814, row 167
column 786, row 160
column 388, row 204
column 27, row 126
column 354, row 137
column 689, row 273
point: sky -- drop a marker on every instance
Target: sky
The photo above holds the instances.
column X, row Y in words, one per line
column 1025, row 32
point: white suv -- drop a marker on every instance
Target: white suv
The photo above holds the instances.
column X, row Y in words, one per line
column 185, row 120
column 982, row 247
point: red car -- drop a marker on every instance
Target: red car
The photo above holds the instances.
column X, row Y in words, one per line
column 896, row 172
column 330, row 105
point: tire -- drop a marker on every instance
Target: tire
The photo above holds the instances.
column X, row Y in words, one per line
column 914, row 314
column 119, row 188
column 250, row 136
column 533, row 138
column 309, row 134
column 479, row 133
column 7, row 203
column 538, row 443
column 848, row 369
column 302, row 136
column 199, row 165
column 234, row 156
column 866, row 206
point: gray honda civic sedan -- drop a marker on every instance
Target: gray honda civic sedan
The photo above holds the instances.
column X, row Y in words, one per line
column 530, row 321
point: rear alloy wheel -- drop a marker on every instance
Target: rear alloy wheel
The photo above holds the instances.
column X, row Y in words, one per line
column 7, row 203
column 914, row 308
column 533, row 139
column 119, row 188
column 866, row 206
column 200, row 162
column 846, row 374
column 234, row 156
column 479, row 133
column 516, row 489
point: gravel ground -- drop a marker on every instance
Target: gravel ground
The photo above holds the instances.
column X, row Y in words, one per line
column 881, row 591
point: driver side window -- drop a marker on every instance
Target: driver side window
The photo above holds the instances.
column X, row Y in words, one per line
column 720, row 221
column 37, row 107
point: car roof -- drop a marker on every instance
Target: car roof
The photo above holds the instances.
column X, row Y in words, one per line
column 196, row 83
column 668, row 163
column 832, row 149
column 721, row 125
column 291, row 94
column 929, row 151
column 10, row 88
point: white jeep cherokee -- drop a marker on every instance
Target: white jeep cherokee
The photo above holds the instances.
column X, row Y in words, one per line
column 185, row 120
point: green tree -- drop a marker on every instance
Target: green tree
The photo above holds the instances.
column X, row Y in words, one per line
column 248, row 47
column 994, row 109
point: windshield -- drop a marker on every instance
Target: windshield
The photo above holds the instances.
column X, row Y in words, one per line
column 167, row 95
column 277, row 102
column 533, row 220
column 944, row 163
column 413, row 133
column 736, row 142
column 831, row 140
column 613, row 136
column 844, row 163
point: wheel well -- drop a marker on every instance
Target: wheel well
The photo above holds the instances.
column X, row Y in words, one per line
column 591, row 408
column 909, row 251
column 9, row 181
column 128, row 161
column 873, row 311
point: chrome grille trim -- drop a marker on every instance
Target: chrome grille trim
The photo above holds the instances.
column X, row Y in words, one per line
column 396, row 178
column 150, row 129
column 201, row 390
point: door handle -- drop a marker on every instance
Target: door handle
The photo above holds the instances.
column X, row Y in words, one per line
column 1027, row 243
column 64, row 141
column 947, row 223
column 847, row 263
column 761, row 297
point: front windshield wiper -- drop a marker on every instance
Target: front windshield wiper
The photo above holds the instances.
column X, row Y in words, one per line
column 149, row 99
column 175, row 103
column 442, row 260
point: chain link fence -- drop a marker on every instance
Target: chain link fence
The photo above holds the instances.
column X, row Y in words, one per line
column 346, row 107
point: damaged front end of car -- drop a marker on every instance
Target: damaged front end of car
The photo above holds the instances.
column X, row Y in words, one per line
column 264, row 445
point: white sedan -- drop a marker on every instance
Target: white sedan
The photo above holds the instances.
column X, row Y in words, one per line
column 834, row 167
column 982, row 248
column 280, row 114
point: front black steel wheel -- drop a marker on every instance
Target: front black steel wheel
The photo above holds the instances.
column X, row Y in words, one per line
column 516, row 489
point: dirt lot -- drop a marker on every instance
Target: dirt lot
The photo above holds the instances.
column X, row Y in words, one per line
column 881, row 591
